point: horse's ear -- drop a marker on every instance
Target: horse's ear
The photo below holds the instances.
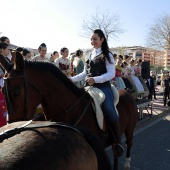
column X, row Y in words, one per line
column 19, row 62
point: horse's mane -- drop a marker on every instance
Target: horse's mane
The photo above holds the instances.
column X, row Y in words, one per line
column 47, row 66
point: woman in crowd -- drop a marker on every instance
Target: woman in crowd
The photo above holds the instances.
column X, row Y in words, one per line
column 136, row 81
column 54, row 56
column 63, row 63
column 127, row 59
column 72, row 56
column 26, row 54
column 78, row 66
column 99, row 70
column 4, row 50
column 126, row 77
column 138, row 70
column 42, row 52
column 6, row 40
column 118, row 76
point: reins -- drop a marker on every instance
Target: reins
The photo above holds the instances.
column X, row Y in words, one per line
column 26, row 81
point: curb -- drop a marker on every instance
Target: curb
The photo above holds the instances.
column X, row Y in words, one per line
column 148, row 120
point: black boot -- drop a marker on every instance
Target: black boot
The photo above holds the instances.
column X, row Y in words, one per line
column 117, row 147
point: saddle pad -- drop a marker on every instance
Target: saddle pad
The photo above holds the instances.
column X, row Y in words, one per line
column 98, row 98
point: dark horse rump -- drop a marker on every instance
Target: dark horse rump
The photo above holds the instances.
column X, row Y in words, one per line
column 47, row 145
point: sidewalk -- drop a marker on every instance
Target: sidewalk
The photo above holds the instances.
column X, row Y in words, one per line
column 158, row 109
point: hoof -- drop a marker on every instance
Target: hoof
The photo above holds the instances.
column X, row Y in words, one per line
column 127, row 164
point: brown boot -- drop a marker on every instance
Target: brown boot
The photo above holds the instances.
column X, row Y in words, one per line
column 117, row 147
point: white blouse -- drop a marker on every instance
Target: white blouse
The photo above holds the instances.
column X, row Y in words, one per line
column 110, row 67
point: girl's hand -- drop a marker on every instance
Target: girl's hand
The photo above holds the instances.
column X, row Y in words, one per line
column 90, row 81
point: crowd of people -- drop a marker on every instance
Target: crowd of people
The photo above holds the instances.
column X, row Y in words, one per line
column 101, row 69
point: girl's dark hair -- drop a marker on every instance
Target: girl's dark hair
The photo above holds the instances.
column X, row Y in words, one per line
column 55, row 52
column 124, row 64
column 63, row 49
column 120, row 56
column 140, row 61
column 3, row 38
column 3, row 45
column 104, row 47
column 126, row 56
column 132, row 61
column 78, row 52
column 19, row 49
column 41, row 46
column 25, row 52
column 114, row 55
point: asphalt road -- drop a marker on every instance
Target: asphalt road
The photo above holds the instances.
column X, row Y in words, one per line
column 151, row 147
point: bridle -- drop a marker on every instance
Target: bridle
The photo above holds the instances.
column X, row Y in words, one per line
column 6, row 90
column 26, row 82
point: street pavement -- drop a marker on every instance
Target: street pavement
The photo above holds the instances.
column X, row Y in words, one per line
column 151, row 143
column 151, row 147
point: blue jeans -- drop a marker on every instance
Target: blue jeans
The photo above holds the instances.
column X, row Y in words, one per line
column 108, row 105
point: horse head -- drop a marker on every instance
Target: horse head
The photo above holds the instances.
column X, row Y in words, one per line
column 16, row 89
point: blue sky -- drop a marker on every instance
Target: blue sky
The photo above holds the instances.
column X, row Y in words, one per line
column 28, row 23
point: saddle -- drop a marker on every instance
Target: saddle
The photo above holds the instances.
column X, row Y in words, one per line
column 98, row 98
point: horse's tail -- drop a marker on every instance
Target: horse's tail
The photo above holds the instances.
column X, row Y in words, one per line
column 95, row 142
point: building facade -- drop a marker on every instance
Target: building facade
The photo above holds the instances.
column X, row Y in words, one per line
column 156, row 57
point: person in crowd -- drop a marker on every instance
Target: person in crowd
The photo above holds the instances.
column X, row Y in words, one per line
column 115, row 57
column 166, row 89
column 150, row 85
column 138, row 71
column 3, row 110
column 72, row 57
column 127, row 59
column 154, row 81
column 98, row 71
column 113, row 81
column 6, row 40
column 78, row 66
column 19, row 49
column 162, row 79
column 26, row 54
column 120, row 58
column 135, row 80
column 42, row 52
column 126, row 77
column 63, row 63
column 54, row 56
column 4, row 50
column 118, row 76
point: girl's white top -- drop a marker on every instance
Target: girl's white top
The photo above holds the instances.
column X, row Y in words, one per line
column 110, row 67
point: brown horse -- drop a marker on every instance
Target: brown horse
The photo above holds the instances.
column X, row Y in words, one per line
column 28, row 84
column 49, row 145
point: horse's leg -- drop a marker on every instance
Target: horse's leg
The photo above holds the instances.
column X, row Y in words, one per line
column 129, row 138
column 116, row 162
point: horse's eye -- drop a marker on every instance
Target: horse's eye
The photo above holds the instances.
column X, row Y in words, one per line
column 16, row 92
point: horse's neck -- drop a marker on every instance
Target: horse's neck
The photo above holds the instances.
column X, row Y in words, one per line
column 73, row 110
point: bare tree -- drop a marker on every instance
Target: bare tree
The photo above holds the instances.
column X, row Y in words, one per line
column 108, row 23
column 159, row 32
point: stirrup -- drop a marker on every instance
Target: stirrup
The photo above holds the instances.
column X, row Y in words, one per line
column 118, row 150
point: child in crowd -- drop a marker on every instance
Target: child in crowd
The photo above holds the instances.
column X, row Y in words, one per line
column 63, row 63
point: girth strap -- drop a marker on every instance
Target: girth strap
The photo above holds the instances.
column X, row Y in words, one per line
column 29, row 125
